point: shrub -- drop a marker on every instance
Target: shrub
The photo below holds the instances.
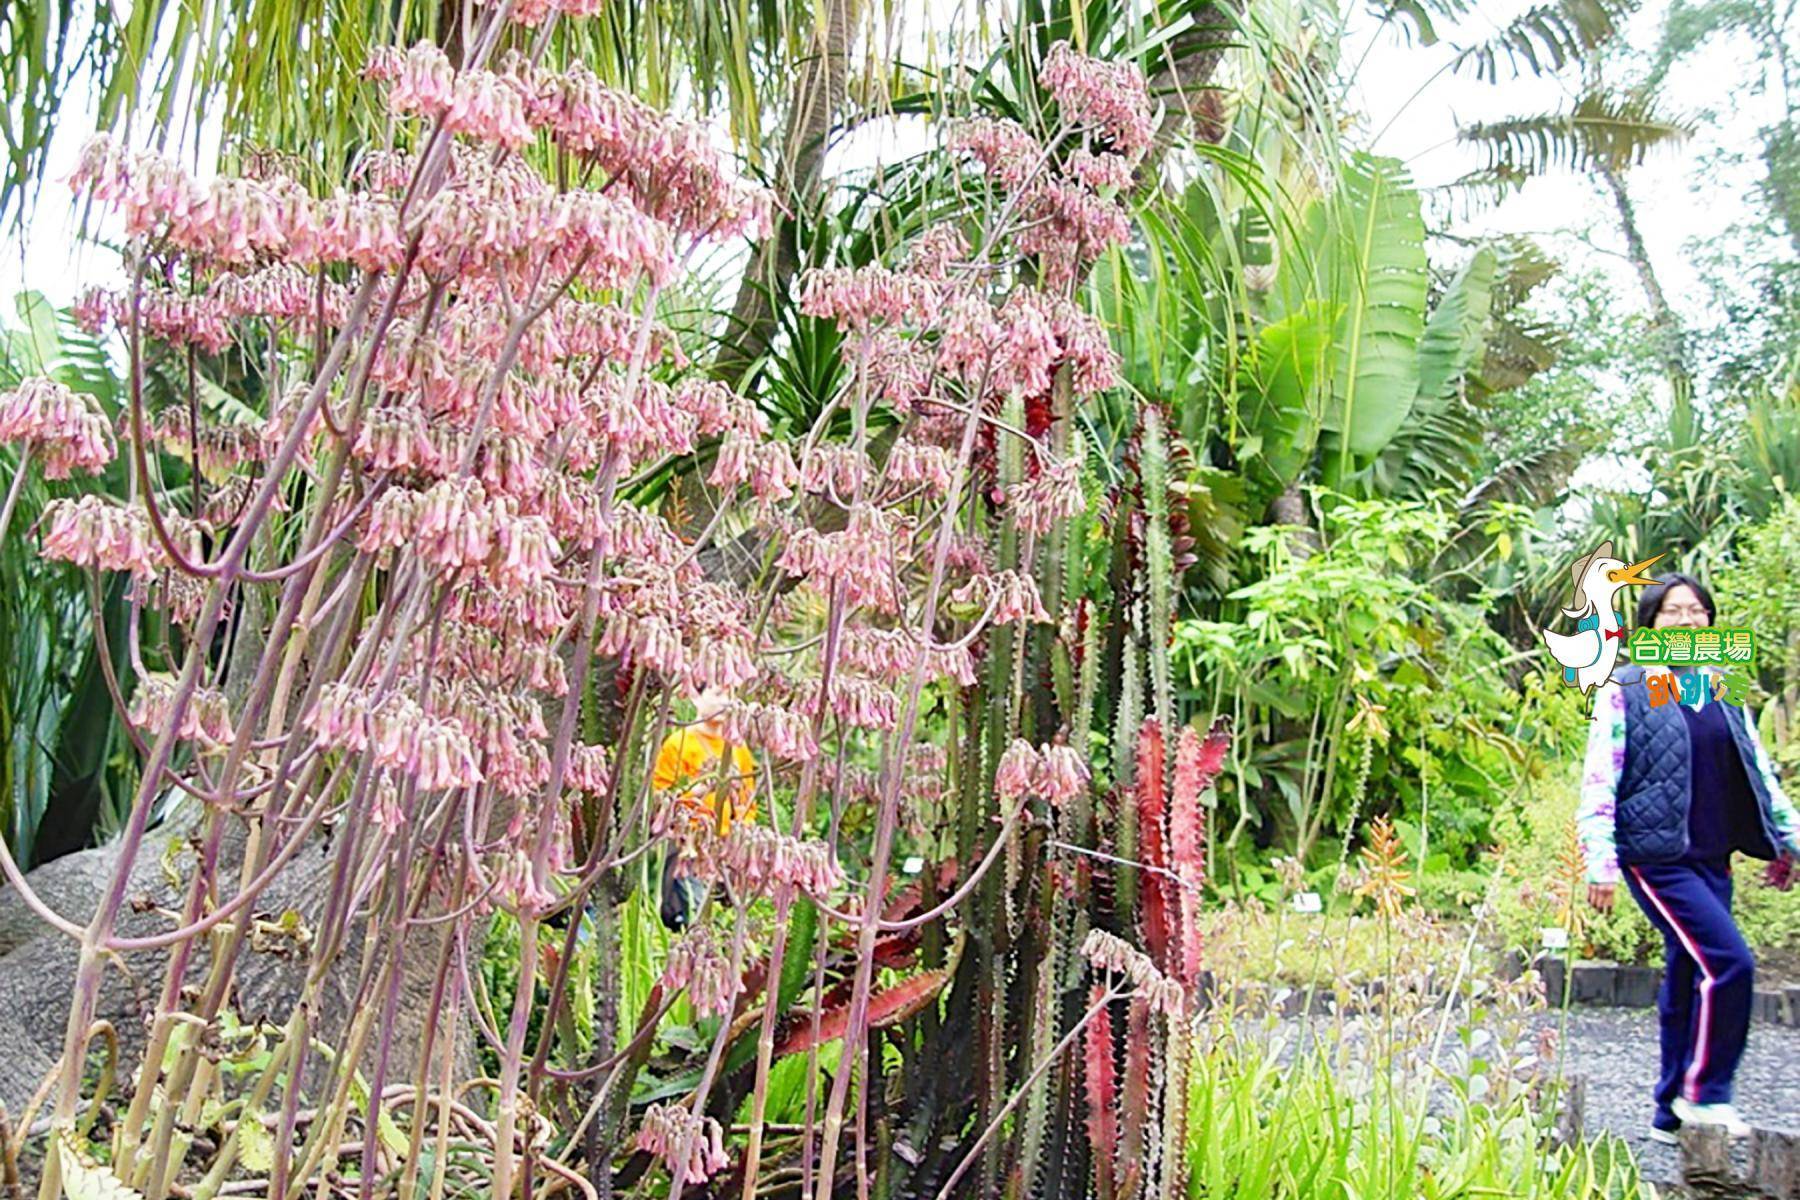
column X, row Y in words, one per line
column 1543, row 885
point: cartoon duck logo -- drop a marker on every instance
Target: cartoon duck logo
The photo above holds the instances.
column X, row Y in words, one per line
column 1589, row 655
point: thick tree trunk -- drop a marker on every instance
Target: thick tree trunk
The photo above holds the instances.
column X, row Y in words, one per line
column 818, row 96
column 1183, row 83
column 36, row 962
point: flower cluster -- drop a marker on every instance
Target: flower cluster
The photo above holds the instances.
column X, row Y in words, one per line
column 861, row 298
column 668, row 1128
column 754, row 860
column 1008, row 154
column 1107, row 952
column 1010, row 597
column 93, row 531
column 1071, row 212
column 205, row 721
column 861, row 556
column 487, row 222
column 482, row 104
column 1053, row 494
column 677, row 174
column 65, row 429
column 1055, row 772
column 697, row 964
column 1109, row 98
column 775, row 728
column 531, row 13
column 437, row 751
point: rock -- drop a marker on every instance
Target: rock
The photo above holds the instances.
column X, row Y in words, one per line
column 1706, row 1168
column 1775, row 1163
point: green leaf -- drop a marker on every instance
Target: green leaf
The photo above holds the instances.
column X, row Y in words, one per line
column 796, row 963
column 1454, row 335
column 1545, row 38
column 1280, row 377
column 1374, row 266
column 256, row 1145
column 85, row 1179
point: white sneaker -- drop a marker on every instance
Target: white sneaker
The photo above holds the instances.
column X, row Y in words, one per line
column 1667, row 1137
column 1724, row 1116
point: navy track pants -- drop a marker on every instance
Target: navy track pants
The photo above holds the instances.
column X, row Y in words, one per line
column 1704, row 1004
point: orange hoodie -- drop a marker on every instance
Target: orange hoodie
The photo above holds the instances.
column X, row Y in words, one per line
column 688, row 762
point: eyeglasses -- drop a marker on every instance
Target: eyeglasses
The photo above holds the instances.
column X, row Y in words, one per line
column 1685, row 610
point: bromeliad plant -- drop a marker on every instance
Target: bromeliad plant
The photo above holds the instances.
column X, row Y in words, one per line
column 372, row 628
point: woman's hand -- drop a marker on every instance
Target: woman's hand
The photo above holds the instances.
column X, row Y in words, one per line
column 1600, row 895
column 1780, row 873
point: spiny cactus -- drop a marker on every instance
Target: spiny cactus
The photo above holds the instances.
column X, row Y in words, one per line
column 1159, row 563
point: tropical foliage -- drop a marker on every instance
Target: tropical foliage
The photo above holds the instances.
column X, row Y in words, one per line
column 1119, row 514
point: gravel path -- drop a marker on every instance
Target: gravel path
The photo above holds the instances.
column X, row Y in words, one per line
column 1617, row 1050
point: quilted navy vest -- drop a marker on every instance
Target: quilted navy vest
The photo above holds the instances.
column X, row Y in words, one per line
column 1655, row 791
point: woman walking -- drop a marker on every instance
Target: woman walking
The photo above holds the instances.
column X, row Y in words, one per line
column 1669, row 793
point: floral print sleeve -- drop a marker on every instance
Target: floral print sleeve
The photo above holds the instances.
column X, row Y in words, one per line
column 1781, row 809
column 1600, row 771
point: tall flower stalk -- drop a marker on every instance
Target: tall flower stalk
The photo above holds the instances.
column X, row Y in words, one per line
column 371, row 634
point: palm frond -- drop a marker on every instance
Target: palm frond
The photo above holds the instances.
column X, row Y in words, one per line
column 1516, row 350
column 1545, row 38
column 1523, row 268
column 1536, row 479
column 1414, row 17
column 286, row 75
column 1602, row 129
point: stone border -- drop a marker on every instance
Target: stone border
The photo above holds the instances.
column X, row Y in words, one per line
column 1612, row 985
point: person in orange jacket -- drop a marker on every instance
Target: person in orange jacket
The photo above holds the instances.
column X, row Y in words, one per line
column 688, row 765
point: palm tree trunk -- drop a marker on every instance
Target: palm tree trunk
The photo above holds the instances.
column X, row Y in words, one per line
column 1189, row 60
column 1671, row 344
column 819, row 93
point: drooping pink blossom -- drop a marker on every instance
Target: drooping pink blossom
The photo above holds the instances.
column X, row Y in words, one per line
column 443, row 757
column 837, row 468
column 340, row 718
column 1108, row 952
column 205, row 721
column 1053, row 494
column 866, row 297
column 455, row 524
column 913, row 464
column 669, row 1127
column 92, row 531
column 1100, row 172
column 1019, row 771
column 1109, row 98
column 754, row 860
column 778, row 730
column 1012, row 596
column 861, row 556
column 1063, row 775
column 1003, row 148
column 697, row 963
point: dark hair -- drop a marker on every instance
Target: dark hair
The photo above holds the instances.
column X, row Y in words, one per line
column 1651, row 602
